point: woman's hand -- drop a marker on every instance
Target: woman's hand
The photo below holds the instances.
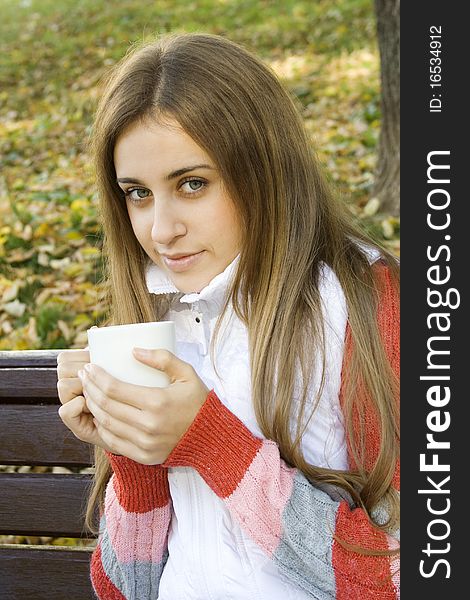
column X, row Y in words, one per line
column 74, row 412
column 69, row 363
column 144, row 423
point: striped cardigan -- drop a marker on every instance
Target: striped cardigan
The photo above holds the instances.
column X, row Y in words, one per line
column 293, row 522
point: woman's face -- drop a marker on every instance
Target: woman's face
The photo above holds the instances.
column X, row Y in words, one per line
column 177, row 204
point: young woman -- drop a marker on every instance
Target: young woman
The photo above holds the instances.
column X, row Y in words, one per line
column 269, row 467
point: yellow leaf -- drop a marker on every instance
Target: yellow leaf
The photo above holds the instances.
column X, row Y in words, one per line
column 74, row 235
column 75, row 269
column 41, row 230
column 79, row 204
column 90, row 252
column 11, row 292
column 64, row 542
column 81, row 320
column 43, row 296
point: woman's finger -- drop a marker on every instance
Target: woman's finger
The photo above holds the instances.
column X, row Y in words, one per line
column 109, row 407
column 69, row 369
column 69, row 389
column 118, row 445
column 137, row 396
column 73, row 356
column 109, row 422
column 78, row 420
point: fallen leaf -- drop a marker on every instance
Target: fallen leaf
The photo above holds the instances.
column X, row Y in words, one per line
column 15, row 308
column 371, row 207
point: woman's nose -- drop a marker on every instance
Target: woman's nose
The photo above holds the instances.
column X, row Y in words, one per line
column 167, row 225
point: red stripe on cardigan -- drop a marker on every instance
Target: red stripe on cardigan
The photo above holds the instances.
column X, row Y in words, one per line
column 353, row 527
column 388, row 318
column 104, row 587
column 139, row 488
column 222, row 467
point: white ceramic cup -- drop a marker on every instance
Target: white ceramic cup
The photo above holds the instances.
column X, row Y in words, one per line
column 111, row 348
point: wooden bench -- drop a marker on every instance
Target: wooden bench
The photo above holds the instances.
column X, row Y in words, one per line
column 40, row 504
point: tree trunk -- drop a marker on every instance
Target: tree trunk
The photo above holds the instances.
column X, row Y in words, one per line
column 387, row 178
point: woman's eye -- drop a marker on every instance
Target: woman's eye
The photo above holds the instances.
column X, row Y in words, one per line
column 190, row 186
column 137, row 194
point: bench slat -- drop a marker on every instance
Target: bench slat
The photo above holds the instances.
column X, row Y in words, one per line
column 35, row 435
column 46, row 504
column 28, row 382
column 45, row 573
column 43, row 504
column 28, row 358
column 29, row 400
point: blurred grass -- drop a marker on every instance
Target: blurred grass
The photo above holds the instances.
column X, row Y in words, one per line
column 52, row 57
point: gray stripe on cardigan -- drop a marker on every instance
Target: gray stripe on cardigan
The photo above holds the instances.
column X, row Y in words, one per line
column 304, row 554
column 131, row 579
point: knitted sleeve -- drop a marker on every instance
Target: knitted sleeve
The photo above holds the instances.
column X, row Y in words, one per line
column 296, row 524
column 132, row 546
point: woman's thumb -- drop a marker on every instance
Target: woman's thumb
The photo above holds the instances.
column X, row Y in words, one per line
column 163, row 360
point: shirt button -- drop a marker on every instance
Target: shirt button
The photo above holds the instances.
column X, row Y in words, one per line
column 198, row 320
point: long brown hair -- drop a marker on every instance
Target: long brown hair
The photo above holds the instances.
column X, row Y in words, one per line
column 234, row 107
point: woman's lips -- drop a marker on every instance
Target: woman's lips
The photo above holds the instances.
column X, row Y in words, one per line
column 183, row 263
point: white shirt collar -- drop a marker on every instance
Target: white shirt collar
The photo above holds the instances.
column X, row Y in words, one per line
column 158, row 282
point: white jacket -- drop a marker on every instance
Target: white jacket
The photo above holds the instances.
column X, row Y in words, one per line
column 210, row 556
